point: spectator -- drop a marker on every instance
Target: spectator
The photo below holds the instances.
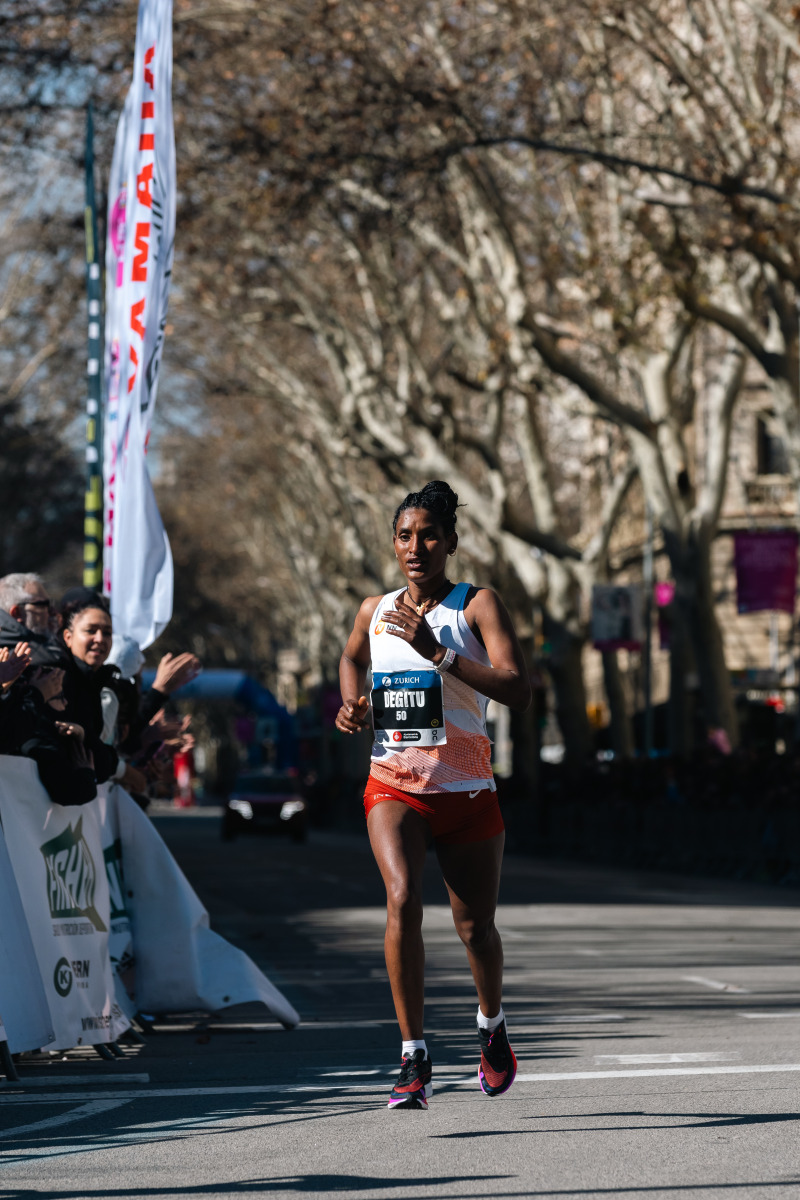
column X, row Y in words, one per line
column 29, row 728
column 139, row 719
column 26, row 615
column 86, row 632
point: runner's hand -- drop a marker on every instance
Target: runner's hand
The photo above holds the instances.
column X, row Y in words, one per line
column 406, row 623
column 351, row 717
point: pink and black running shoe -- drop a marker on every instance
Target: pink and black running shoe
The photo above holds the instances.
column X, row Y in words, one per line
column 498, row 1062
column 413, row 1088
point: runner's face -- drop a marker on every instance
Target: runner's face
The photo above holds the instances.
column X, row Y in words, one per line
column 422, row 546
column 89, row 639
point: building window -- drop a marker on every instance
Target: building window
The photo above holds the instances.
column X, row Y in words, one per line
column 771, row 456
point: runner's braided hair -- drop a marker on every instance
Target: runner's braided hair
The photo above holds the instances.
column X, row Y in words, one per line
column 437, row 498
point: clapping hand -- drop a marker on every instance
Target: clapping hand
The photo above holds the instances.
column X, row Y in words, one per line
column 12, row 664
column 176, row 670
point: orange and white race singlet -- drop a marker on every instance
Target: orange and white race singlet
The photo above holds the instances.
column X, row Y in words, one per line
column 430, row 729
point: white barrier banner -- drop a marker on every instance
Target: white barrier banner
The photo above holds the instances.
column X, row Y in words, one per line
column 181, row 964
column 92, row 903
column 23, row 1002
column 120, row 935
column 57, row 858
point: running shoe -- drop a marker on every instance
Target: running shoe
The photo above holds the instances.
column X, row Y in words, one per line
column 498, row 1063
column 413, row 1088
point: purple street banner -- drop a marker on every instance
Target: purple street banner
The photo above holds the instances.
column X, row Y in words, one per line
column 617, row 616
column 766, row 570
column 139, row 251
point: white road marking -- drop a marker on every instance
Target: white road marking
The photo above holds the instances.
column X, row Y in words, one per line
column 60, row 1080
column 306, row 1026
column 464, row 1080
column 569, row 1019
column 778, row 1016
column 259, row 1026
column 378, row 1071
column 74, row 1114
column 760, row 1069
column 716, row 984
column 632, row 1059
column 589, row 953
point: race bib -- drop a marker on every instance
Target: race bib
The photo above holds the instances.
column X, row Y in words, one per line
column 407, row 709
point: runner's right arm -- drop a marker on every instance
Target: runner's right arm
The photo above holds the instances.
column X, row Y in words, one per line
column 353, row 667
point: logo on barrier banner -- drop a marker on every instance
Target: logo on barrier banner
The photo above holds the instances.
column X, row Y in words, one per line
column 67, row 973
column 62, row 977
column 71, row 876
column 116, row 884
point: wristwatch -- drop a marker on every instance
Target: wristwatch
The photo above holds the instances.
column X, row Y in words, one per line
column 446, row 663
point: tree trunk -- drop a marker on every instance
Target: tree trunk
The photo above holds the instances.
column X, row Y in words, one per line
column 526, row 738
column 561, row 628
column 680, row 663
column 621, row 728
column 694, row 598
column 566, row 673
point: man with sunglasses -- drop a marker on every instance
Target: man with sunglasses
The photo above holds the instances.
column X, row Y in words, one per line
column 26, row 615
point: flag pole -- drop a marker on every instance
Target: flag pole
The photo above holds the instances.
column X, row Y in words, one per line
column 93, row 508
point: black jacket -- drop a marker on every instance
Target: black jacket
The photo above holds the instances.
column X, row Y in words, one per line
column 27, row 729
column 82, row 688
column 46, row 649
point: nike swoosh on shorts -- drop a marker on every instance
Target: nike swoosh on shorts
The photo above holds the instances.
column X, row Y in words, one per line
column 472, row 795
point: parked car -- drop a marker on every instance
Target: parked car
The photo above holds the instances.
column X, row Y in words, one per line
column 262, row 801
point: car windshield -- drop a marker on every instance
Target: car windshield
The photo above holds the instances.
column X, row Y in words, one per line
column 264, row 785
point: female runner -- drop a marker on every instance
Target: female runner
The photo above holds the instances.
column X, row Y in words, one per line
column 438, row 651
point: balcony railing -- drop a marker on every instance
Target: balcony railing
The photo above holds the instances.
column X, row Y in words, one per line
column 771, row 491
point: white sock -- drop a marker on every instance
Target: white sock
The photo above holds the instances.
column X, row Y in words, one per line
column 410, row 1047
column 490, row 1023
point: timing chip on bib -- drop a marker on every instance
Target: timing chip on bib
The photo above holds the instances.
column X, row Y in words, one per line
column 407, row 708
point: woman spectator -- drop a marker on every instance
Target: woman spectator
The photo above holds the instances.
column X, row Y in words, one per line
column 86, row 632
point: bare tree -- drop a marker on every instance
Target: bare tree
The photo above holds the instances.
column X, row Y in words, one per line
column 485, row 245
column 479, row 270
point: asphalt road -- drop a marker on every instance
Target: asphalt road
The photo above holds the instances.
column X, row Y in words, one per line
column 656, row 1021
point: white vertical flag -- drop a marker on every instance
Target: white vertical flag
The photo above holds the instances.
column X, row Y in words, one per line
column 137, row 572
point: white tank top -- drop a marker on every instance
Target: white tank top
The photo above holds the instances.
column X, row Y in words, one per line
column 464, row 762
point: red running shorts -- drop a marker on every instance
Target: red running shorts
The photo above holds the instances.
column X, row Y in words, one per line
column 453, row 817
